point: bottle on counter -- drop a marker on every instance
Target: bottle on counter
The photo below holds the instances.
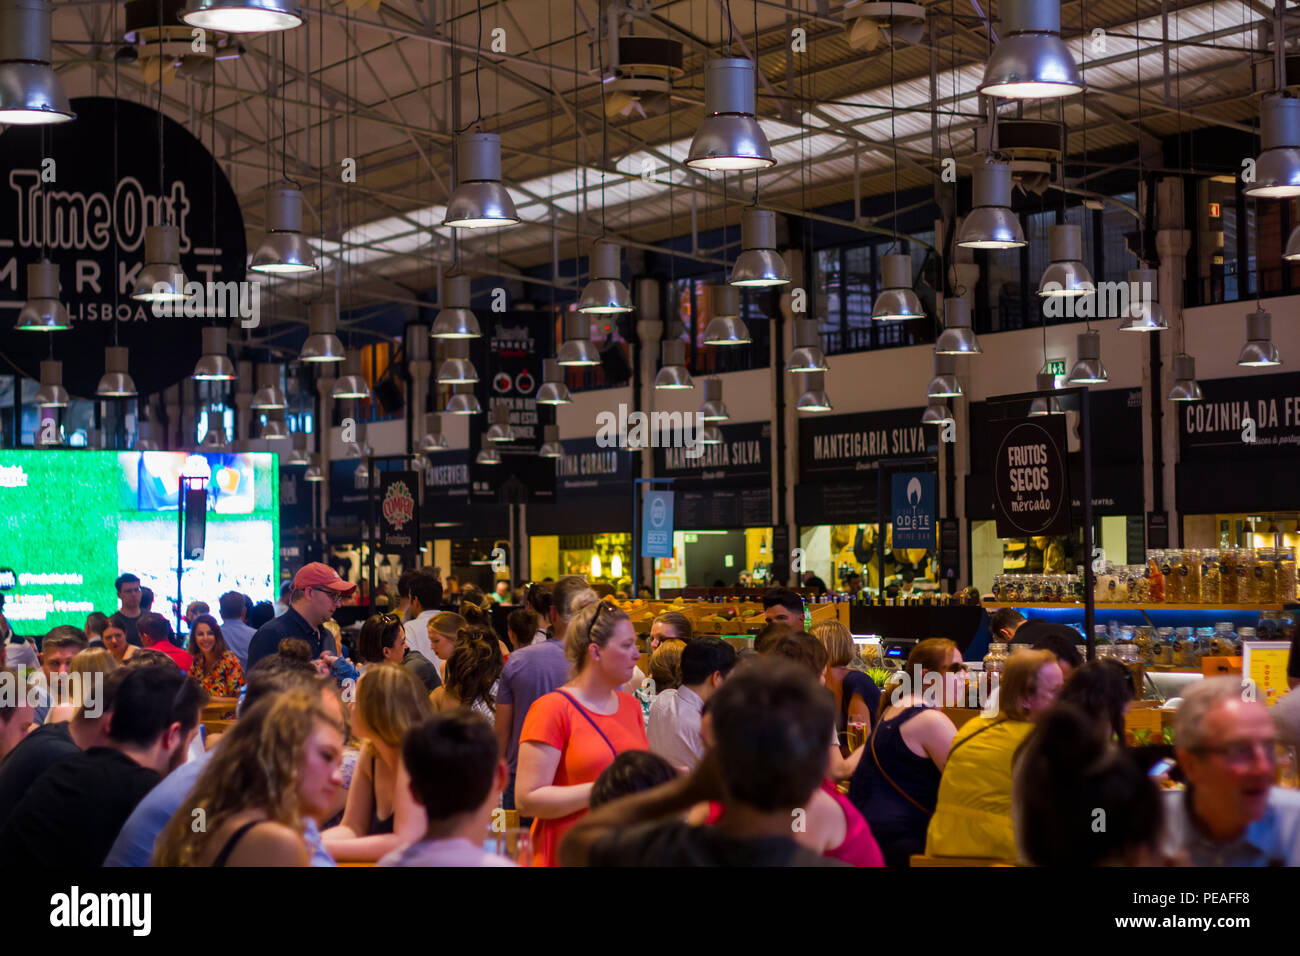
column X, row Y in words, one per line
column 995, row 659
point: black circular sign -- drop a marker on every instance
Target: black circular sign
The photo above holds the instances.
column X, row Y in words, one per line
column 1029, row 478
column 93, row 229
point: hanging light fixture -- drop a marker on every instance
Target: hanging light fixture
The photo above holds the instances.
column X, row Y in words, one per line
column 605, row 293
column 434, row 440
column 43, row 312
column 672, row 370
column 937, row 413
column 944, row 384
column 1065, row 275
column 145, row 437
column 243, row 16
column 31, row 93
column 1277, row 170
column 116, row 381
column 1186, row 388
column 456, row 368
column 479, row 200
column 807, row 355
column 1259, row 350
column 322, row 344
column 215, row 439
column 214, row 364
column 710, row 435
column 730, row 137
column 897, row 301
column 275, row 429
column 463, row 401
column 1045, row 381
column 759, row 264
column 814, row 397
column 298, row 455
column 160, row 279
column 726, row 327
column 1146, row 314
column 500, row 430
column 455, row 320
column 489, row 455
column 352, row 384
column 51, row 394
column 553, row 391
column 361, row 476
column 551, row 447
column 713, row 409
column 957, row 337
column 1031, row 61
column 284, row 250
column 1292, row 251
column 314, row 470
column 991, row 223
column 577, row 348
column 269, row 394
column 1088, row 369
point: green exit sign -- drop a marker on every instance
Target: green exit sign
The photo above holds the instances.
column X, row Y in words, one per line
column 1056, row 366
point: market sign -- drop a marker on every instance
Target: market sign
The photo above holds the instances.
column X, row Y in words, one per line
column 399, row 523
column 91, row 224
column 587, row 468
column 657, row 524
column 1257, row 416
column 914, row 509
column 839, row 447
column 744, row 457
column 1030, row 478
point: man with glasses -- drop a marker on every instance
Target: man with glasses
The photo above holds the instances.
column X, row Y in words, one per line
column 1231, row 814
column 317, row 593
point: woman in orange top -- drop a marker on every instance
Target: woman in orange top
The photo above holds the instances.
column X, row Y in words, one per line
column 571, row 734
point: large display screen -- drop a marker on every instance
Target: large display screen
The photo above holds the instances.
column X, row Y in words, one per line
column 74, row 520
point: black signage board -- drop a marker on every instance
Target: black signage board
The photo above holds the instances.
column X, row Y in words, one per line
column 295, row 502
column 838, row 448
column 779, row 573
column 1241, row 419
column 949, row 549
column 398, row 502
column 94, row 232
column 744, row 458
column 722, row 509
column 349, row 502
column 587, row 468
column 1157, row 529
column 1030, row 478
column 446, row 493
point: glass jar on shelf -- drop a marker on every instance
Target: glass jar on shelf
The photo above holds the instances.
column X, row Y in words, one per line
column 1185, row 647
column 1175, row 579
column 1204, row 643
column 1228, row 558
column 1211, row 576
column 1191, row 570
column 1104, row 587
column 1162, row 647
column 1264, row 577
column 1139, row 586
column 1245, row 575
column 1155, row 578
column 1076, row 587
column 1286, row 575
column 1245, row 635
column 1143, row 639
column 998, row 588
column 995, row 660
column 1224, row 641
column 1128, row 655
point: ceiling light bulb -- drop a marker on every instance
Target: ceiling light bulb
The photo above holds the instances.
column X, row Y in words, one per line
column 269, row 394
column 500, row 430
column 243, row 16
column 551, row 447
column 726, row 327
column 730, row 137
column 433, row 441
column 1031, row 61
column 1045, row 381
column 463, row 401
column 713, row 409
column 51, row 394
column 298, row 455
column 937, row 413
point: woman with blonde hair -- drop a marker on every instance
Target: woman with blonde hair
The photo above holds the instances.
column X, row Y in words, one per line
column 857, row 698
column 85, row 664
column 381, row 814
column 573, row 733
column 276, row 767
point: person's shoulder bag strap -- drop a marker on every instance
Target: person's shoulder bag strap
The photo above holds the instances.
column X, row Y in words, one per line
column 591, row 720
column 890, row 780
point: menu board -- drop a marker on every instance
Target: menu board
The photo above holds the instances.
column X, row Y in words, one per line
column 709, row 510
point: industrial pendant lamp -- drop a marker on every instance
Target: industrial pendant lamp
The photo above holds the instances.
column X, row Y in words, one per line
column 351, row 384
column 554, row 391
column 116, row 381
column 937, row 413
column 672, row 370
column 605, row 293
column 1088, row 369
column 944, row 384
column 1045, row 381
column 759, row 264
column 500, row 430
column 51, row 394
column 1031, row 61
column 807, row 354
column 269, row 394
column 160, row 279
column 551, row 447
column 284, row 250
column 1146, row 314
column 489, row 455
column 463, row 401
column 214, row 364
column 730, row 137
column 991, row 223
column 31, row 93
column 1186, row 388
column 43, row 312
column 298, row 456
column 314, row 471
column 322, row 343
column 479, row 200
column 713, row 409
column 1259, row 350
column 814, row 397
column 957, row 337
column 434, row 440
column 215, row 439
column 897, row 301
column 1065, row 275
column 1277, row 170
column 726, row 327
column 1292, row 252
column 455, row 320
column 275, row 429
column 243, row 16
column 577, row 348
column 456, row 368
column 710, row 435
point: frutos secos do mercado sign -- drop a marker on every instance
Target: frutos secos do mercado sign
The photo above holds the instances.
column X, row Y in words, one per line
column 1030, row 478
column 83, row 201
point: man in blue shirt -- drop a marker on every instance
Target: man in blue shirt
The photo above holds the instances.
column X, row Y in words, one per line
column 317, row 593
column 237, row 633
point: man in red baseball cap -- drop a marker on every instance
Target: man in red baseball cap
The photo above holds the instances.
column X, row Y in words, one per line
column 317, row 592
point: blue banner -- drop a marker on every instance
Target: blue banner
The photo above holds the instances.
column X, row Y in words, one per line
column 657, row 524
column 913, row 510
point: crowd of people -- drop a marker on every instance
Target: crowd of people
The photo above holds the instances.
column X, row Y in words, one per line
column 429, row 730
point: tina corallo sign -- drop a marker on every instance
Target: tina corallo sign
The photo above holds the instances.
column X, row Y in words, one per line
column 1030, row 478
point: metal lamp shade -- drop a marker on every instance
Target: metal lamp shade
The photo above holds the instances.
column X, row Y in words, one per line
column 1044, row 381
column 727, row 330
column 160, row 279
column 937, row 413
column 1031, row 61
column 456, row 368
column 275, row 428
column 269, row 394
column 944, row 384
column 814, row 397
column 51, row 394
column 1277, row 170
column 351, row 384
column 1065, row 273
column 713, row 409
column 724, row 301
column 214, row 440
column 243, row 16
column 500, row 430
column 298, row 455
column 807, row 354
column 605, row 293
column 551, row 447
column 43, row 312
column 1186, row 388
column 455, row 320
column 489, row 455
column 1292, row 252
column 1088, row 369
column 480, row 200
column 577, row 348
column 730, row 137
column 463, row 401
column 1259, row 350
column 284, row 250
column 710, row 435
column 1145, row 311
column 322, row 343
column 991, row 223
column 214, row 364
column 553, row 391
column 31, row 93
column 433, row 441
column 314, row 471
column 673, row 374
column 759, row 264
column 957, row 337
column 116, row 381
column 896, row 302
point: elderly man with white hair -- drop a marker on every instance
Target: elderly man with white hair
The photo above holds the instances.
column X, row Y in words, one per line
column 1231, row 814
